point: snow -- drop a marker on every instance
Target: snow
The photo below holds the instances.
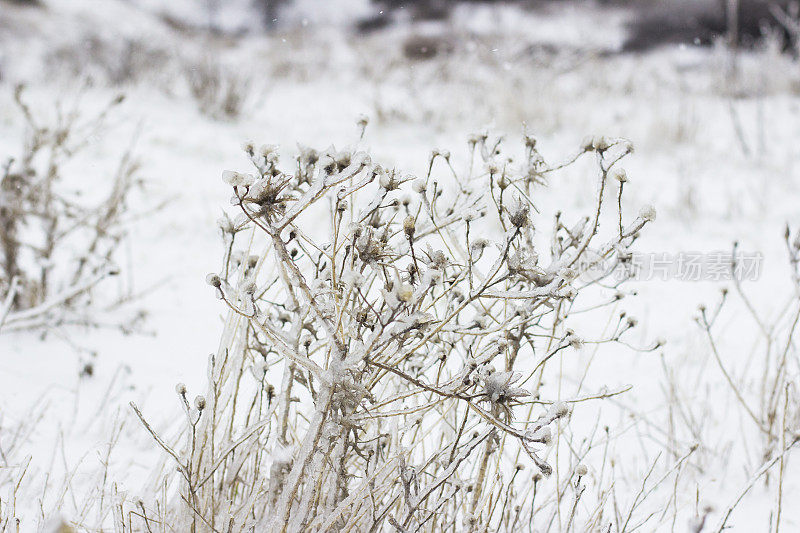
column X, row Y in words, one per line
column 311, row 81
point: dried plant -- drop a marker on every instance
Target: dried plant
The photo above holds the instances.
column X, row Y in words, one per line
column 765, row 395
column 219, row 92
column 383, row 365
column 56, row 245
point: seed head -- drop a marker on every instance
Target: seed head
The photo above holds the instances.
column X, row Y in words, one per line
column 237, row 179
column 560, row 409
column 519, row 215
column 405, row 292
column 601, row 143
column 409, row 225
column 620, row 175
column 648, row 213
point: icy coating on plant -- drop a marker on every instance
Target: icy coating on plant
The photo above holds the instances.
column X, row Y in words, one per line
column 382, row 362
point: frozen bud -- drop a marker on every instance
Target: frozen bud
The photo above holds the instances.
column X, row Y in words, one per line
column 478, row 245
column 214, row 280
column 226, row 224
column 560, row 409
column 341, row 206
column 588, row 143
column 438, row 259
column 306, row 340
column 237, row 179
column 248, row 287
column 405, row 292
column 387, row 181
column 445, row 154
column 268, row 149
column 648, row 213
column 363, row 120
column 601, row 143
column 628, row 145
column 409, row 225
column 200, row 403
column 470, row 215
column 575, row 342
column 519, row 215
column 581, row 470
column 351, row 278
column 620, row 175
column 543, row 435
column 503, row 182
column 249, row 147
column 180, row 388
column 632, row 322
column 660, row 341
column 420, row 185
column 530, row 141
column 355, row 229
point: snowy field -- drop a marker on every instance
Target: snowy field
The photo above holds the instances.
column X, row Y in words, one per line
column 675, row 432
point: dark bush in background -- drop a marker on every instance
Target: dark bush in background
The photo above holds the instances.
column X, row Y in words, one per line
column 695, row 22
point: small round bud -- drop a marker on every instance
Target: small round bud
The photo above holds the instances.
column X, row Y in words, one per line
column 214, row 280
column 237, row 179
column 519, row 216
column 620, row 175
column 248, row 287
column 405, row 292
column 180, row 388
column 601, row 143
column 226, row 225
column 409, row 225
column 200, row 403
column 503, row 182
column 575, row 342
column 420, row 185
column 648, row 213
column 560, row 409
column 581, row 470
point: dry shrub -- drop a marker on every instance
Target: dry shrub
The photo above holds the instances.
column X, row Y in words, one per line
column 56, row 245
column 116, row 62
column 219, row 92
column 386, row 367
column 417, row 47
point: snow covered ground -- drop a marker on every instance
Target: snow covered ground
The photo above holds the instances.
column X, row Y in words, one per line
column 719, row 160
